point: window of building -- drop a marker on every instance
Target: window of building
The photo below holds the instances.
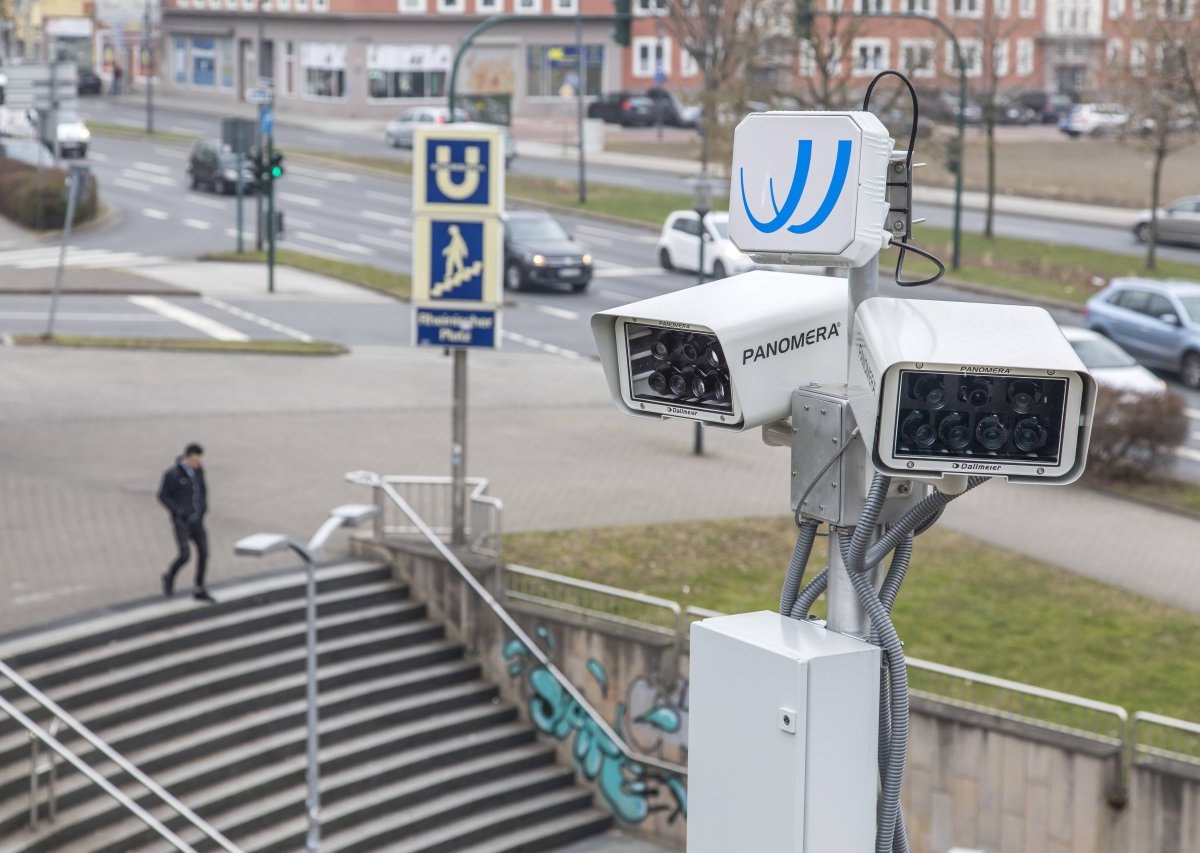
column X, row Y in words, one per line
column 289, row 68
column 1137, row 56
column 650, row 54
column 834, row 5
column 807, row 59
column 320, row 5
column 870, row 56
column 1024, row 57
column 1027, row 8
column 919, row 7
column 411, row 7
column 1000, row 58
column 550, row 68
column 966, row 8
column 916, row 57
column 1113, row 54
column 1002, row 8
column 301, row 5
column 528, row 7
column 488, row 7
column 1116, row 8
column 564, row 7
column 1139, row 9
column 1175, row 8
column 324, row 66
column 204, row 61
column 688, row 66
column 871, row 7
column 449, row 7
column 283, row 5
column 650, row 7
column 407, row 71
column 179, row 48
column 972, row 51
column 231, row 5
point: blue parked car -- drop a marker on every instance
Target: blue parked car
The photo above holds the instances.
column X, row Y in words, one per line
column 1157, row 322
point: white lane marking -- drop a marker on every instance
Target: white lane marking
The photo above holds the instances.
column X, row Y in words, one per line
column 1188, row 453
column 341, row 246
column 561, row 313
column 104, row 317
column 259, row 320
column 232, row 232
column 98, row 157
column 378, row 241
column 205, row 202
column 132, row 185
column 160, row 180
column 166, row 152
column 619, row 236
column 540, row 345
column 615, row 294
column 90, row 258
column 385, row 218
column 593, row 240
column 628, row 272
column 297, row 222
column 152, row 167
column 198, row 224
column 155, row 214
column 1194, row 414
column 402, row 236
column 307, row 201
column 205, row 325
column 310, row 182
column 390, row 198
column 340, row 177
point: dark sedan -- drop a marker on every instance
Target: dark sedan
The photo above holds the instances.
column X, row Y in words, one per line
column 627, row 109
column 211, row 165
column 88, row 82
column 539, row 252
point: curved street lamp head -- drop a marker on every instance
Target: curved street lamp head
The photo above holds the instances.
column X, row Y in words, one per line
column 354, row 515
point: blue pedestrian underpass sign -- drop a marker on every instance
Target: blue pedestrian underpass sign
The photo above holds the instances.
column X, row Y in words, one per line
column 457, row 259
column 266, row 120
column 456, row 327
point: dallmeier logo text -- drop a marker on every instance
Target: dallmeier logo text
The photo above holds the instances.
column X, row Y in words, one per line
column 790, row 342
column 974, row 466
column 974, row 368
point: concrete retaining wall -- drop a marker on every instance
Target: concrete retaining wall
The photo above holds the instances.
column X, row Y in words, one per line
column 973, row 781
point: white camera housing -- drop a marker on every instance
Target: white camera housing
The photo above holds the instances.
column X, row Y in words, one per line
column 972, row 389
column 766, row 333
column 810, row 188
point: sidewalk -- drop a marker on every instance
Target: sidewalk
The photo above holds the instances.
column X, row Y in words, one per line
column 85, row 436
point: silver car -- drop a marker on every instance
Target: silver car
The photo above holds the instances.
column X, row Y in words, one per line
column 400, row 133
column 1178, row 222
column 1157, row 322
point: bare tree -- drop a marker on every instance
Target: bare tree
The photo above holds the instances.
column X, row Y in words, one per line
column 1155, row 79
column 825, row 83
column 992, row 32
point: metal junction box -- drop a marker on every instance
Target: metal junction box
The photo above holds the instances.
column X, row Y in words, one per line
column 782, row 737
column 822, row 423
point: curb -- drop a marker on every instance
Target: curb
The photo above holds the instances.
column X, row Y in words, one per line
column 985, row 290
column 176, row 345
column 1146, row 502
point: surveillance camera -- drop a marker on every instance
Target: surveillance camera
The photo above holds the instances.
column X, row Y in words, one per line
column 943, row 388
column 727, row 353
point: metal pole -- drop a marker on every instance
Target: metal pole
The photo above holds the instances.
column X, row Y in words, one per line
column 458, row 450
column 148, row 44
column 241, row 158
column 62, row 252
column 270, row 221
column 579, row 89
column 956, row 254
column 314, row 759
column 698, row 435
column 258, row 62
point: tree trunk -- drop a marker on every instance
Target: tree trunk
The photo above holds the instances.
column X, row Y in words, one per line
column 990, row 213
column 1160, row 154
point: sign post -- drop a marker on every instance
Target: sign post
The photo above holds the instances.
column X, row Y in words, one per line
column 75, row 187
column 458, row 252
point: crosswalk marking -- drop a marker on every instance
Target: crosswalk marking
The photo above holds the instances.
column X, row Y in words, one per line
column 47, row 256
column 179, row 314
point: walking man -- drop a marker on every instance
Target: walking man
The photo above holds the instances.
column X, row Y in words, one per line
column 185, row 496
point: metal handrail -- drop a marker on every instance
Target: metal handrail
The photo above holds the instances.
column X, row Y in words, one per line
column 35, row 772
column 368, row 478
column 477, row 497
column 112, row 755
column 602, row 589
column 1142, row 717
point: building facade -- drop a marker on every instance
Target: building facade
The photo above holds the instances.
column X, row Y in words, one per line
column 372, row 58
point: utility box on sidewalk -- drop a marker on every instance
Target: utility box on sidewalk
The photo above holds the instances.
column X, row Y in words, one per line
column 593, row 135
column 782, row 737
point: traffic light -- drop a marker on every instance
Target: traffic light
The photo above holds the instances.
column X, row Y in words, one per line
column 804, row 18
column 259, row 166
column 620, row 31
column 276, row 170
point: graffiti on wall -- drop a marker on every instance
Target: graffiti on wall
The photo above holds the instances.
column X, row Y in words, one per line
column 647, row 720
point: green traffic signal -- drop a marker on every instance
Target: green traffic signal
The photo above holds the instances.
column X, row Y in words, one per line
column 621, row 26
column 276, row 170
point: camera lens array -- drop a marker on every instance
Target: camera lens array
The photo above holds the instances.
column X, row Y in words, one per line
column 676, row 366
column 979, row 416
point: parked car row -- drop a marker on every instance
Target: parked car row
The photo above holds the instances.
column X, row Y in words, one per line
column 401, row 132
column 644, row 108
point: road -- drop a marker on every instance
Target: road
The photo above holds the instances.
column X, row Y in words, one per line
column 351, row 216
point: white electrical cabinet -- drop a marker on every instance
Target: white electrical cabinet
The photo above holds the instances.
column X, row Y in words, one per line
column 782, row 737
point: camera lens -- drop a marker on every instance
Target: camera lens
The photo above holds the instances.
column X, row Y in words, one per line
column 954, row 431
column 712, row 356
column 680, row 385
column 658, row 382
column 720, row 391
column 976, row 392
column 1029, row 435
column 929, row 390
column 688, row 352
column 917, row 429
column 662, row 346
column 1023, row 396
column 991, row 432
column 703, row 384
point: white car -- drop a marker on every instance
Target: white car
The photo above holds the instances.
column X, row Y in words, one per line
column 73, row 135
column 1112, row 367
column 400, row 133
column 679, row 245
column 1094, row 120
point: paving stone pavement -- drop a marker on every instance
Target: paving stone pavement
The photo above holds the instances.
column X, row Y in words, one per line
column 84, row 437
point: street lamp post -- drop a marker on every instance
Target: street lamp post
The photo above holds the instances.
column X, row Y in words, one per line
column 262, row 544
column 659, row 77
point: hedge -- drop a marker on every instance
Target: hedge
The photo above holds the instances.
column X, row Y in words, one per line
column 19, row 196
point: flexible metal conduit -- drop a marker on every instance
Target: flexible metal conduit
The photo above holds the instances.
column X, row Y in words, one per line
column 112, row 755
column 368, row 478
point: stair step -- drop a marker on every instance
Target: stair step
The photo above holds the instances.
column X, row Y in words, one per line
column 544, row 834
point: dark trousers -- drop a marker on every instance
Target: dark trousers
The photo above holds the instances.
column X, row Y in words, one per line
column 193, row 531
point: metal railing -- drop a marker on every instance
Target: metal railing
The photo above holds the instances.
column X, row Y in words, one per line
column 383, row 486
column 51, row 741
column 1165, row 737
column 430, row 498
column 36, row 769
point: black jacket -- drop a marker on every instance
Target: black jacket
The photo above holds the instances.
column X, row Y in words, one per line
column 184, row 494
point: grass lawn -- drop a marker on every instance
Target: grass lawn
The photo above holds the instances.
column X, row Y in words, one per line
column 386, row 281
column 184, row 344
column 1160, row 490
column 965, row 603
column 107, row 129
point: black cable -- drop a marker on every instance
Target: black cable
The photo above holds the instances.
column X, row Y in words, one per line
column 903, row 244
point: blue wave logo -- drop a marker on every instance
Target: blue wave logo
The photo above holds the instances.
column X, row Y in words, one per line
column 783, row 214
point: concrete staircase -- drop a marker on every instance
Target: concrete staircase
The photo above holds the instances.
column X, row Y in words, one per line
column 417, row 751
